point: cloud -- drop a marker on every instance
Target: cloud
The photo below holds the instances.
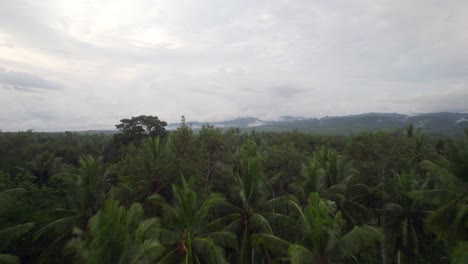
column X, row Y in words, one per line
column 23, row 81
column 451, row 99
column 288, row 91
column 213, row 60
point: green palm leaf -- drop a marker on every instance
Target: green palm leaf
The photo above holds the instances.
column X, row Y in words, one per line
column 206, row 250
column 9, row 234
column 300, row 255
column 357, row 239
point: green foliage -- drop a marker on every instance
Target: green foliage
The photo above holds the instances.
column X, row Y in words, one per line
column 321, row 236
column 187, row 230
column 88, row 193
column 11, row 233
column 404, row 216
column 285, row 163
column 385, row 196
column 183, row 150
column 212, row 150
column 117, row 235
column 253, row 208
column 377, row 154
column 323, row 231
column 137, row 128
column 448, row 195
column 142, row 171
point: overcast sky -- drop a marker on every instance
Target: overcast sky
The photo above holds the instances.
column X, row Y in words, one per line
column 76, row 65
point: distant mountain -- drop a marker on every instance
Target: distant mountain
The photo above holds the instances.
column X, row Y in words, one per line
column 240, row 122
column 436, row 124
column 443, row 124
column 291, row 118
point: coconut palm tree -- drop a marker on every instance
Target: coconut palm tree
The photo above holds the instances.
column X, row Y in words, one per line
column 321, row 236
column 188, row 232
column 253, row 209
column 331, row 175
column 404, row 216
column 140, row 171
column 10, row 234
column 44, row 165
column 89, row 188
column 448, row 195
column 118, row 235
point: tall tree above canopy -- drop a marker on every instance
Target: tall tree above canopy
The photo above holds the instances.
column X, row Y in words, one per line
column 142, row 126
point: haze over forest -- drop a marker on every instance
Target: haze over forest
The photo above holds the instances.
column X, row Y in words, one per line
column 78, row 65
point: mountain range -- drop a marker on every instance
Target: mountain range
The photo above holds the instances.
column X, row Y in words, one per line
column 438, row 124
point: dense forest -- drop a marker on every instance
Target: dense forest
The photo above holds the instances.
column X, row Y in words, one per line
column 147, row 195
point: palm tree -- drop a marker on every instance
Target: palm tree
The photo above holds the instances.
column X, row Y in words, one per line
column 252, row 207
column 404, row 216
column 140, row 171
column 321, row 236
column 88, row 193
column 448, row 195
column 188, row 231
column 118, row 235
column 11, row 233
column 44, row 165
column 331, row 175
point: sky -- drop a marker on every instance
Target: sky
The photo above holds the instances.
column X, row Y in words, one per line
column 79, row 64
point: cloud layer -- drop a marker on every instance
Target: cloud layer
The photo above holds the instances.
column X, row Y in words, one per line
column 24, row 81
column 74, row 65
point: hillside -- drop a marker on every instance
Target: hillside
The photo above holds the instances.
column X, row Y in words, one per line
column 438, row 124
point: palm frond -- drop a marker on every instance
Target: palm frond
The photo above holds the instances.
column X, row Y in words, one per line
column 59, row 226
column 56, row 246
column 219, row 223
column 168, row 210
column 171, row 257
column 280, row 204
column 11, row 192
column 168, row 236
column 148, row 251
column 225, row 238
column 300, row 255
column 260, row 223
column 356, row 239
column 212, row 201
column 206, row 249
column 9, row 234
column 272, row 243
column 280, row 219
column 147, row 228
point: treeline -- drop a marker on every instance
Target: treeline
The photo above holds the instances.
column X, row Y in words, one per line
column 147, row 195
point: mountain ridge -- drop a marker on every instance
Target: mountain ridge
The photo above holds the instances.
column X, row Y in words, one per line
column 438, row 123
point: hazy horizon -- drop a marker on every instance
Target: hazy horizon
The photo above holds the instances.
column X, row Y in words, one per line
column 82, row 65
column 170, row 125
